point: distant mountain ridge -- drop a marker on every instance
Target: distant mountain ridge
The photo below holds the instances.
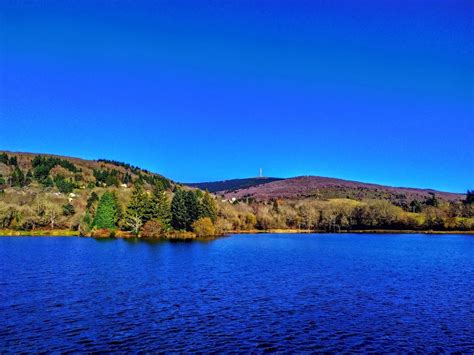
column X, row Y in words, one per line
column 233, row 184
column 318, row 187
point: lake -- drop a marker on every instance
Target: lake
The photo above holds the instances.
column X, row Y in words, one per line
column 244, row 293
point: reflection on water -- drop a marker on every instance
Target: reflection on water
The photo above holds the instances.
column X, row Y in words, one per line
column 247, row 293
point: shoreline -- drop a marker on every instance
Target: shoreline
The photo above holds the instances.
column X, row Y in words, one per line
column 127, row 235
column 357, row 231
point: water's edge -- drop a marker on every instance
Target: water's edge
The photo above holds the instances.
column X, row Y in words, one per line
column 67, row 233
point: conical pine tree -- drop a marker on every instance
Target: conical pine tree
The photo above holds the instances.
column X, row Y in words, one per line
column 179, row 213
column 159, row 206
column 106, row 215
column 138, row 205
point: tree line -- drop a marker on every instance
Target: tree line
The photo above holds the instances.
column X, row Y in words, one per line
column 152, row 213
column 160, row 212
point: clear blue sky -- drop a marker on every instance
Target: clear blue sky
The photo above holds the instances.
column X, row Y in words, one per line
column 376, row 91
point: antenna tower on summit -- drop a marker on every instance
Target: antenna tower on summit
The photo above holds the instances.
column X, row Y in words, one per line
column 260, row 174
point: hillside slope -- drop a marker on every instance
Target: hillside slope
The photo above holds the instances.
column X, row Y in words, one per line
column 323, row 187
column 19, row 169
column 232, row 184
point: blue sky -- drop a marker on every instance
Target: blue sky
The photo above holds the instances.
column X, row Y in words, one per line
column 376, row 91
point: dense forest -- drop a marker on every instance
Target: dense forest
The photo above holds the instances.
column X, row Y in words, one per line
column 105, row 197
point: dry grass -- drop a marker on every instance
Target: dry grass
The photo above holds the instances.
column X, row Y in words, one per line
column 44, row 233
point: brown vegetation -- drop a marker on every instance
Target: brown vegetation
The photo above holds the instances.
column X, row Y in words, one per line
column 325, row 188
column 152, row 229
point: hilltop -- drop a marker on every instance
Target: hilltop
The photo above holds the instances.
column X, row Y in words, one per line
column 223, row 186
column 317, row 187
column 322, row 188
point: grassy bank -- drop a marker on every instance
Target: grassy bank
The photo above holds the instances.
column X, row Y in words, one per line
column 189, row 235
column 42, row 233
column 103, row 233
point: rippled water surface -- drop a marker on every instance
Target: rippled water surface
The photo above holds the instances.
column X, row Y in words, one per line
column 391, row 293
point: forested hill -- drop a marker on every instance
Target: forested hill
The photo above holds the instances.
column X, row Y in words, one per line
column 47, row 192
column 66, row 173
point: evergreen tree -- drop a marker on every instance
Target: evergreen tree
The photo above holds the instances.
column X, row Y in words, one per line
column 415, row 206
column 13, row 161
column 48, row 182
column 432, row 200
column 63, row 185
column 179, row 213
column 106, row 177
column 17, row 178
column 127, row 179
column 4, row 158
column 208, row 207
column 159, row 206
column 469, row 197
column 192, row 208
column 68, row 209
column 139, row 204
column 106, row 216
column 29, row 177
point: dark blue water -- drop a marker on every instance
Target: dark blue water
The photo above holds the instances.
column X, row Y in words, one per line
column 390, row 293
